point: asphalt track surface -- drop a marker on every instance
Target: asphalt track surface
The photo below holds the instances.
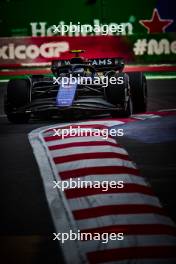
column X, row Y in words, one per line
column 25, row 224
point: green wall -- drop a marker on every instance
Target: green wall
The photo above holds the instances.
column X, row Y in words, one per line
column 16, row 15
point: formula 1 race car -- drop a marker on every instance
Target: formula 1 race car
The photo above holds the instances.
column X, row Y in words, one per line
column 121, row 95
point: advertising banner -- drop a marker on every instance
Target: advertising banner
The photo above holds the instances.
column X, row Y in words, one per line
column 136, row 49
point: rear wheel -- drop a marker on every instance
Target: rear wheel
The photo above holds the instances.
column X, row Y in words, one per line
column 18, row 95
column 138, row 87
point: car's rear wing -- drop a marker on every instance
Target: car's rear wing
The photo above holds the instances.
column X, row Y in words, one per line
column 103, row 64
column 100, row 64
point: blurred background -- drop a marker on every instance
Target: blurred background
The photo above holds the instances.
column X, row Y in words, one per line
column 148, row 37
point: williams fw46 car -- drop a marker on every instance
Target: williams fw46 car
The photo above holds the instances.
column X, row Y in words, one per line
column 78, row 87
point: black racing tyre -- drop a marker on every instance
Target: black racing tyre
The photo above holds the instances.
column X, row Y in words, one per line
column 116, row 93
column 18, row 95
column 138, row 88
column 18, row 92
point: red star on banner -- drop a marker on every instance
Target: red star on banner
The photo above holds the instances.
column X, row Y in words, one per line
column 156, row 24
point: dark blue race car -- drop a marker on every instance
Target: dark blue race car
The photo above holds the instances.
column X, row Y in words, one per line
column 78, row 87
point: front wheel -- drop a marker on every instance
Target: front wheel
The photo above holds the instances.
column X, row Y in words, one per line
column 18, row 95
column 16, row 118
column 138, row 87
